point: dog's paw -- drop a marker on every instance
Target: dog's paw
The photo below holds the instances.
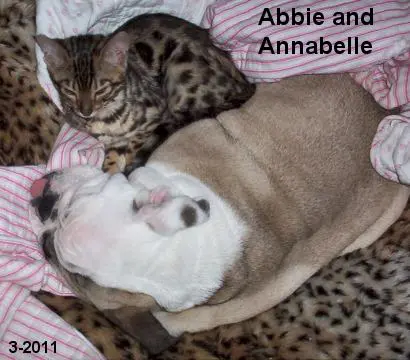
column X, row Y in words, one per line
column 159, row 194
column 154, row 197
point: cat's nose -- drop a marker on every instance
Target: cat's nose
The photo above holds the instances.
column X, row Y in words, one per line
column 86, row 108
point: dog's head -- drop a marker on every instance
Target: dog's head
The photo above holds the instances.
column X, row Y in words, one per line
column 84, row 212
column 89, row 223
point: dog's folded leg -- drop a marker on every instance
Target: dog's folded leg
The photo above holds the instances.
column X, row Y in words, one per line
column 130, row 312
column 378, row 228
column 371, row 213
column 142, row 326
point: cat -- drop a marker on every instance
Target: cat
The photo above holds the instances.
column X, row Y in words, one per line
column 133, row 88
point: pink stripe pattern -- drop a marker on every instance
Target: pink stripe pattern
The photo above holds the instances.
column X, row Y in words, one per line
column 385, row 72
column 22, row 264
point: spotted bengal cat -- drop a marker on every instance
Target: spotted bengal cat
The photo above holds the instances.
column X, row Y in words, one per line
column 135, row 87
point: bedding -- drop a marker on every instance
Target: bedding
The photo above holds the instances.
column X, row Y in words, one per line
column 234, row 25
column 385, row 72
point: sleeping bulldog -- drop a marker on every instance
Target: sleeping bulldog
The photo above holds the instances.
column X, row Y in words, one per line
column 229, row 216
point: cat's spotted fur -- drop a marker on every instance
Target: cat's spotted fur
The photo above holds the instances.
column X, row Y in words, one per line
column 135, row 87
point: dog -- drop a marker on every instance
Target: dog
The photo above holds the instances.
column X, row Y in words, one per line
column 229, row 216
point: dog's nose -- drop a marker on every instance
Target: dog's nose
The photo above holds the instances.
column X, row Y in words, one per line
column 204, row 205
column 38, row 186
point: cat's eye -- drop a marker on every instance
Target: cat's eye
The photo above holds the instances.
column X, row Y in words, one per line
column 68, row 92
column 101, row 91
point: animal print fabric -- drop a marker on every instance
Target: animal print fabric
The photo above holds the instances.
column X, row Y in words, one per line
column 29, row 121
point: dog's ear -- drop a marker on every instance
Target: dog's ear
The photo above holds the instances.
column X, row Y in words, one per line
column 174, row 214
column 142, row 326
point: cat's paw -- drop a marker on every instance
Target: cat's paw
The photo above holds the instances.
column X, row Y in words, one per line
column 114, row 162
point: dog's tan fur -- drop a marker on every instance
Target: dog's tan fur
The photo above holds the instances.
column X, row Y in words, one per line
column 293, row 162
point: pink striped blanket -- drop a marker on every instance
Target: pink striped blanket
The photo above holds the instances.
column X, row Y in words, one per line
column 25, row 323
column 385, row 72
column 234, row 25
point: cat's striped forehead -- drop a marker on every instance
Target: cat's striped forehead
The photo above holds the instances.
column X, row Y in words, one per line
column 82, row 45
column 82, row 51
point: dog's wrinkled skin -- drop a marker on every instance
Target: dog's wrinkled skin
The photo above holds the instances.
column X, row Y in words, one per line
column 293, row 166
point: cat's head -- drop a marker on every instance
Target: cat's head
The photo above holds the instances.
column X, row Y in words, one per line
column 88, row 72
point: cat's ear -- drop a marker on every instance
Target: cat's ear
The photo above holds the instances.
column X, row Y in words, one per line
column 114, row 52
column 55, row 55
